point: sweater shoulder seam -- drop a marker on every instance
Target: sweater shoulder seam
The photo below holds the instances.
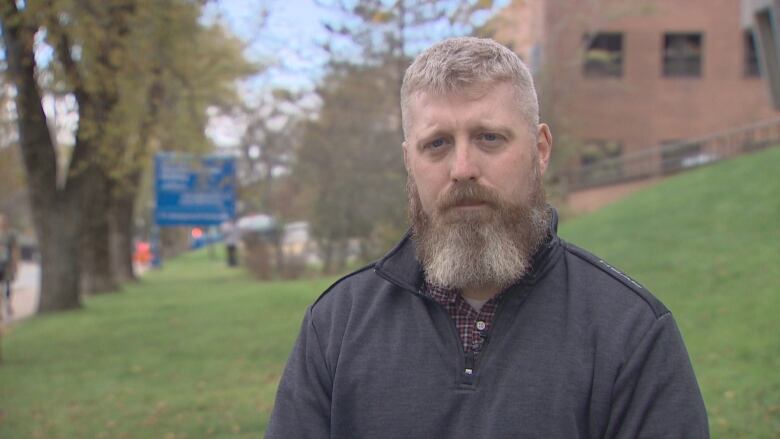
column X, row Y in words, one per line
column 341, row 279
column 658, row 309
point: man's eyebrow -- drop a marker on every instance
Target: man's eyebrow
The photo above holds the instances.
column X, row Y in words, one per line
column 500, row 128
column 433, row 130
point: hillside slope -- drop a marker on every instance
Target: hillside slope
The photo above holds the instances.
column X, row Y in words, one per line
column 707, row 243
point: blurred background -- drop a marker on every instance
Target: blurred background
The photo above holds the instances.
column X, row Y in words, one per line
column 179, row 179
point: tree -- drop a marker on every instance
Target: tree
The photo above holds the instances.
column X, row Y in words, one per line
column 350, row 162
column 192, row 72
column 389, row 33
column 54, row 206
column 13, row 193
column 267, row 149
column 128, row 103
column 273, row 130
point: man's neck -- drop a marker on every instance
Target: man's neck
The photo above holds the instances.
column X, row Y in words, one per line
column 481, row 293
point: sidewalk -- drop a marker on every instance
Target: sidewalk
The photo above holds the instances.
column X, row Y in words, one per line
column 26, row 290
column 24, row 298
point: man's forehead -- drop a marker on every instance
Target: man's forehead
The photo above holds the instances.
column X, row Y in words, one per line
column 471, row 91
column 428, row 108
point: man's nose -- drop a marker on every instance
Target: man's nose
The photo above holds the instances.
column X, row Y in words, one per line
column 464, row 163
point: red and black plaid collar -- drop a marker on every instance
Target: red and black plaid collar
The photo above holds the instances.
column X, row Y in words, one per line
column 448, row 296
column 440, row 294
column 472, row 325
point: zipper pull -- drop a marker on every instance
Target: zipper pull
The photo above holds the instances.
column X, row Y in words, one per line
column 470, row 362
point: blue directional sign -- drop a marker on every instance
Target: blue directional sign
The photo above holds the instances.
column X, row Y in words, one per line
column 194, row 192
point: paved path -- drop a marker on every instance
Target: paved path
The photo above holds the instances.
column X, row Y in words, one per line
column 26, row 290
column 24, row 298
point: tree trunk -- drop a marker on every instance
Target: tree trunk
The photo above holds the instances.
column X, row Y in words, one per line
column 57, row 229
column 54, row 215
column 120, row 216
column 97, row 275
column 173, row 241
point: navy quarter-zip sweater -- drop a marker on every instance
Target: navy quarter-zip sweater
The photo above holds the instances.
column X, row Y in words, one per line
column 577, row 350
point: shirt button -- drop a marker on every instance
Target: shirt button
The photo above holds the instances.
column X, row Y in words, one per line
column 481, row 325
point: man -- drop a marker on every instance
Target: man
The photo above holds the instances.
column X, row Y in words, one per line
column 9, row 260
column 232, row 236
column 482, row 322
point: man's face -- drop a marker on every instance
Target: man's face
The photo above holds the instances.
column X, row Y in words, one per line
column 479, row 136
column 476, row 200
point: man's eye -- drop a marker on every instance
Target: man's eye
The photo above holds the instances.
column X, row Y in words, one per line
column 490, row 137
column 437, row 143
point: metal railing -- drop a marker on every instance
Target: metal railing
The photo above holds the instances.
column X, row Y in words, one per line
column 666, row 159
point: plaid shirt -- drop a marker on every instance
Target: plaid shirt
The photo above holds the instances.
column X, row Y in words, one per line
column 472, row 326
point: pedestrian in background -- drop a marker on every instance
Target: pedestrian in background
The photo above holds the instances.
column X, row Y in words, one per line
column 232, row 236
column 9, row 262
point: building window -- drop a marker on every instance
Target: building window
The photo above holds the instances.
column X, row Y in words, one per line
column 682, row 54
column 603, row 55
column 751, row 56
column 600, row 162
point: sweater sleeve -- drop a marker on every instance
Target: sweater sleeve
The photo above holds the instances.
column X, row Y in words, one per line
column 656, row 394
column 302, row 407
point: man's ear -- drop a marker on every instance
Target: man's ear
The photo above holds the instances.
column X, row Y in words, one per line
column 544, row 144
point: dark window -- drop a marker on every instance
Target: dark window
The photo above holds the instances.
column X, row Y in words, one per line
column 600, row 162
column 751, row 56
column 682, row 54
column 603, row 55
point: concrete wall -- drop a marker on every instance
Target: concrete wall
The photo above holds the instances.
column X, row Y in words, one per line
column 761, row 17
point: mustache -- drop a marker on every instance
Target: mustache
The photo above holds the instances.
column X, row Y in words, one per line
column 468, row 192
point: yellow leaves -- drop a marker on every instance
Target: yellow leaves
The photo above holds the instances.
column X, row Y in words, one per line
column 483, row 4
column 382, row 17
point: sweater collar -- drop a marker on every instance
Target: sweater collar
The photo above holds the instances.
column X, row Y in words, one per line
column 401, row 267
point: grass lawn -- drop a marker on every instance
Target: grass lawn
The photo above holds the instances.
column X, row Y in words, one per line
column 707, row 243
column 196, row 349
column 193, row 351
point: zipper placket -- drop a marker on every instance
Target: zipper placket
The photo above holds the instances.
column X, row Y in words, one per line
column 462, row 356
column 466, row 359
column 494, row 324
column 470, row 360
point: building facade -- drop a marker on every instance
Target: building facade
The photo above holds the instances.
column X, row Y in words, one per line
column 617, row 77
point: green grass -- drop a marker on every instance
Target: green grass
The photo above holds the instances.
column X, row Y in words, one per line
column 707, row 243
column 196, row 349
column 193, row 351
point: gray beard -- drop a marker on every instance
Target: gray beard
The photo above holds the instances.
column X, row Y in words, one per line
column 490, row 247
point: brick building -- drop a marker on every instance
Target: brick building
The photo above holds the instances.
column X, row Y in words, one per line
column 621, row 76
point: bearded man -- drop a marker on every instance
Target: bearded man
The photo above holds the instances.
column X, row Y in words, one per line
column 482, row 322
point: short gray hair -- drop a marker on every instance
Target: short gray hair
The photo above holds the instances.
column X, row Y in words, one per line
column 460, row 63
